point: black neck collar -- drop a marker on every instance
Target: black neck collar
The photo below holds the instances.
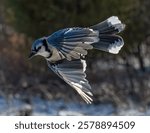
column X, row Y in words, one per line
column 50, row 54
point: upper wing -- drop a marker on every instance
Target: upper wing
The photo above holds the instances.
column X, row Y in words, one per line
column 73, row 42
column 72, row 72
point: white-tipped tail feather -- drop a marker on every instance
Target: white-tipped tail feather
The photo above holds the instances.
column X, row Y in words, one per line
column 108, row 40
column 113, row 20
column 115, row 48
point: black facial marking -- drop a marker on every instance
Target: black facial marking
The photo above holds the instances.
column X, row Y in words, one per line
column 45, row 45
column 35, row 50
column 38, row 48
column 46, row 48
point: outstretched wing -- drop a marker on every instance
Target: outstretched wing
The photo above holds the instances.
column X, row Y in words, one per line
column 73, row 42
column 73, row 73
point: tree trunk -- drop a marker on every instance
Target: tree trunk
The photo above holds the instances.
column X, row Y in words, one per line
column 140, row 58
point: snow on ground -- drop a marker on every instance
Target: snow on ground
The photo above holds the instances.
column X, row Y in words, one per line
column 59, row 107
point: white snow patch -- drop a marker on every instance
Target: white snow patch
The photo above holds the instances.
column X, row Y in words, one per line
column 40, row 107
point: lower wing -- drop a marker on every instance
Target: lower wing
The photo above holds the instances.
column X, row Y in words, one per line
column 72, row 72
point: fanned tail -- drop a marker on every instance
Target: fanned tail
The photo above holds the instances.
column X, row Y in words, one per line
column 108, row 40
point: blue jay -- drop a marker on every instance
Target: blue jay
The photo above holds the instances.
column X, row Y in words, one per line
column 65, row 51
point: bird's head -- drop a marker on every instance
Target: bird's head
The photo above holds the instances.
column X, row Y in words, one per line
column 40, row 47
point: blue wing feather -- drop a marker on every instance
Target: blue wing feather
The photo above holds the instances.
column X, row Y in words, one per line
column 73, row 42
column 73, row 73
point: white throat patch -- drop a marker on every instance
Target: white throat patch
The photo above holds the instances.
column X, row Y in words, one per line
column 43, row 52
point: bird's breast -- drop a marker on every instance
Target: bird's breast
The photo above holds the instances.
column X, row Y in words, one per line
column 56, row 56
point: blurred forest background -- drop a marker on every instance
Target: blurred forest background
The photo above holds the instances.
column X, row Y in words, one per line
column 122, row 80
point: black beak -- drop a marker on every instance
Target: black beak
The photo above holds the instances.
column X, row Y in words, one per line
column 31, row 54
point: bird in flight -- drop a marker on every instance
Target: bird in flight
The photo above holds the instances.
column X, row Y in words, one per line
column 65, row 51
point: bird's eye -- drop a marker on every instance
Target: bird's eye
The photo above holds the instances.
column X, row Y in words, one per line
column 38, row 48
